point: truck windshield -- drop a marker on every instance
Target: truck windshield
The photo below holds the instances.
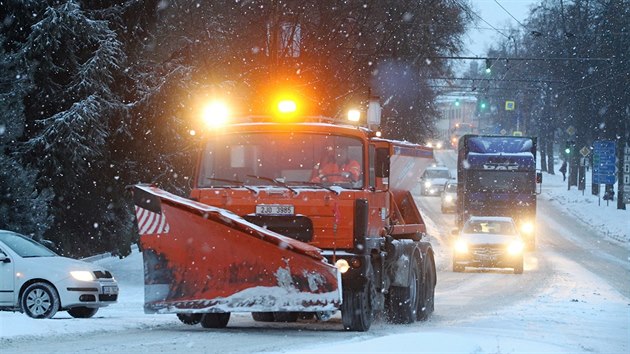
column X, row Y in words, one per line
column 294, row 158
column 503, row 181
column 437, row 174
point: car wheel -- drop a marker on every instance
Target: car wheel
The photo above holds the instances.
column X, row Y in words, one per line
column 189, row 318
column 40, row 300
column 215, row 320
column 458, row 268
column 82, row 312
column 518, row 268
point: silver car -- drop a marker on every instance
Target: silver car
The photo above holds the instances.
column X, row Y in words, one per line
column 449, row 197
column 38, row 282
column 489, row 242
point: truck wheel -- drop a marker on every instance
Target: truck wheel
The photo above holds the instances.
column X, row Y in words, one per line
column 263, row 316
column 215, row 320
column 404, row 301
column 426, row 305
column 40, row 300
column 285, row 316
column 82, row 312
column 190, row 318
column 356, row 309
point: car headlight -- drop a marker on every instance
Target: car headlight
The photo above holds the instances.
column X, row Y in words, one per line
column 527, row 227
column 427, row 184
column 448, row 198
column 82, row 275
column 342, row 265
column 461, row 246
column 515, row 247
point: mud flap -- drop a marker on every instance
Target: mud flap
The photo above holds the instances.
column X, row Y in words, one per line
column 199, row 258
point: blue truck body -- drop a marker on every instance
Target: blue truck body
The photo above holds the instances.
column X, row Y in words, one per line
column 497, row 177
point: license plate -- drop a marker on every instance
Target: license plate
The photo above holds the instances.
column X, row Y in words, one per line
column 110, row 290
column 275, row 209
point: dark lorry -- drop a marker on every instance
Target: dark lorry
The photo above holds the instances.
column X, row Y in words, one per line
column 497, row 177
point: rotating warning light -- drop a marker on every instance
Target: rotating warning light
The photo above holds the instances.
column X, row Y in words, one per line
column 354, row 115
column 215, row 114
column 287, row 106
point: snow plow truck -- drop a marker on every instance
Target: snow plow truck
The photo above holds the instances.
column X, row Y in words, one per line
column 269, row 229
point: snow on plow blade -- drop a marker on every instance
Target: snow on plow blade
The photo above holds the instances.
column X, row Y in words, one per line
column 199, row 258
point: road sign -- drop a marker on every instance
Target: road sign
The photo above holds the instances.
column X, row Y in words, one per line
column 604, row 162
column 571, row 130
column 517, row 133
column 509, row 105
column 503, row 132
column 585, row 151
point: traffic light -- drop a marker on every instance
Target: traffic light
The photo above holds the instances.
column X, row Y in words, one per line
column 568, row 146
column 482, row 105
column 457, row 102
column 488, row 66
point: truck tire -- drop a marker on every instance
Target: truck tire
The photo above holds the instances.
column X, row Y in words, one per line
column 215, row 320
column 285, row 316
column 405, row 300
column 190, row 318
column 426, row 305
column 356, row 309
column 263, row 316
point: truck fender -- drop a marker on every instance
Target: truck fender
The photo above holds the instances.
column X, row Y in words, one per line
column 407, row 251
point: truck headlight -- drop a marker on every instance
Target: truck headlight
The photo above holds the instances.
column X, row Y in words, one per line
column 461, row 246
column 427, row 184
column 82, row 275
column 527, row 227
column 515, row 247
column 342, row 265
column 448, row 198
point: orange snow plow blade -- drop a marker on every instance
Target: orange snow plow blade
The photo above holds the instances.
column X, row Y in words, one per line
column 199, row 258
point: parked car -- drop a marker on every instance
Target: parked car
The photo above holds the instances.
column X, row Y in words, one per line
column 449, row 197
column 492, row 242
column 38, row 282
column 433, row 179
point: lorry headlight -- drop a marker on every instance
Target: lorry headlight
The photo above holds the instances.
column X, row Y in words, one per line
column 461, row 246
column 427, row 184
column 527, row 227
column 448, row 198
column 82, row 275
column 515, row 247
column 342, row 265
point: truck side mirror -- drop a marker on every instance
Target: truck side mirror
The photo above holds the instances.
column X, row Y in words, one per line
column 382, row 163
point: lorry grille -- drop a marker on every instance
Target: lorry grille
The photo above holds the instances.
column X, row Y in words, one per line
column 294, row 226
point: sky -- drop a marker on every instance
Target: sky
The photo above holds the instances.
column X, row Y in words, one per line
column 479, row 38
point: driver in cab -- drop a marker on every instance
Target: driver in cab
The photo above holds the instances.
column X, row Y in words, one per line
column 336, row 166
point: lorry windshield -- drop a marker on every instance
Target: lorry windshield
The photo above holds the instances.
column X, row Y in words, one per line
column 294, row 159
column 503, row 181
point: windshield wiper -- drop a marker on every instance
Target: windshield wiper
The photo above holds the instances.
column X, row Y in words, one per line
column 315, row 184
column 274, row 181
column 233, row 181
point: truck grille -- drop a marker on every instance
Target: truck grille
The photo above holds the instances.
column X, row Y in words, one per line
column 296, row 227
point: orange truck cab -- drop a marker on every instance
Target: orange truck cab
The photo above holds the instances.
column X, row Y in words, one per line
column 288, row 220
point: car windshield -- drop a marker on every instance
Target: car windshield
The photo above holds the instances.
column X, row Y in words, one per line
column 24, row 246
column 436, row 174
column 451, row 188
column 264, row 159
column 489, row 227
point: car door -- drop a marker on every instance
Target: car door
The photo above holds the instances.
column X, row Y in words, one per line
column 7, row 279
